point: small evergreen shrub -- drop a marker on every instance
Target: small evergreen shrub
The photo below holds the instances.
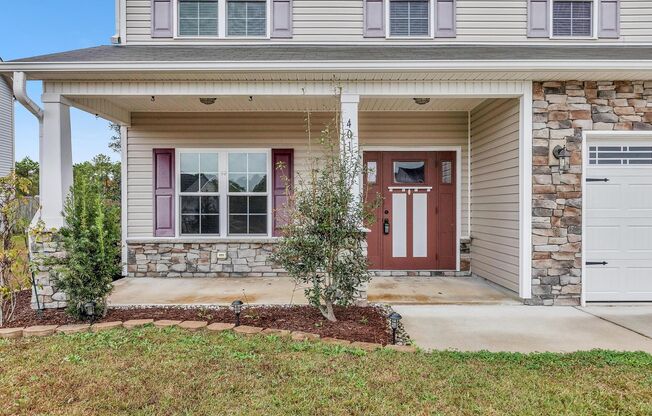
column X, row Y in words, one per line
column 91, row 239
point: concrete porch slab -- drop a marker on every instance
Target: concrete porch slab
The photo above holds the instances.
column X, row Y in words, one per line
column 148, row 291
column 515, row 328
column 438, row 291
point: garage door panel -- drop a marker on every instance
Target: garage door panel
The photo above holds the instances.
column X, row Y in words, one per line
column 619, row 228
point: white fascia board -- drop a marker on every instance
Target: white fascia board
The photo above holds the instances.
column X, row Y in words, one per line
column 307, row 66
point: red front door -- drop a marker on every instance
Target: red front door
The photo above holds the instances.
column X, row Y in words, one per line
column 415, row 223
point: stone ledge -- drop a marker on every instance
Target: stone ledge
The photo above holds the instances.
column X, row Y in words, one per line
column 45, row 330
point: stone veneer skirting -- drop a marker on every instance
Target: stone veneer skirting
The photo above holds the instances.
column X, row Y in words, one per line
column 561, row 111
column 45, row 250
column 244, row 258
column 193, row 258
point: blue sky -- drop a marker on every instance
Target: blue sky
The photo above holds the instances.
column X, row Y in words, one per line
column 39, row 27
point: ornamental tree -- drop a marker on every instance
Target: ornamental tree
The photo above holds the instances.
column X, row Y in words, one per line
column 324, row 242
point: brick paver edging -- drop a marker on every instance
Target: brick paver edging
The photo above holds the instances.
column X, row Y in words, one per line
column 45, row 330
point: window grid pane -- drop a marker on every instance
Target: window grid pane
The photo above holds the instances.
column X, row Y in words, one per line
column 409, row 18
column 199, row 193
column 198, row 18
column 247, row 18
column 572, row 18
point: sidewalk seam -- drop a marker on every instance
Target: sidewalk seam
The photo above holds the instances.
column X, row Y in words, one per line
column 614, row 323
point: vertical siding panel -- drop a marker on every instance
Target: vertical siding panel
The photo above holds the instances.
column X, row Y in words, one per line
column 495, row 192
column 6, row 128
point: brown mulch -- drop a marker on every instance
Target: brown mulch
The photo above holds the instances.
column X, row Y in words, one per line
column 366, row 324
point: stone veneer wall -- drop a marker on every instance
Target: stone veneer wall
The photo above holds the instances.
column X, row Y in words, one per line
column 562, row 110
column 199, row 259
column 245, row 258
column 45, row 251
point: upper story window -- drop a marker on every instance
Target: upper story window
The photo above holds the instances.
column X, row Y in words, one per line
column 247, row 18
column 572, row 18
column 222, row 18
column 409, row 18
column 198, row 18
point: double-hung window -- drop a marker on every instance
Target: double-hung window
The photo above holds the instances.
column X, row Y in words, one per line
column 409, row 18
column 223, row 192
column 198, row 18
column 246, row 18
column 572, row 18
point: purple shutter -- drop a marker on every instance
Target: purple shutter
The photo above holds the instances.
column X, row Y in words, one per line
column 163, row 192
column 445, row 18
column 609, row 16
column 281, row 18
column 538, row 25
column 282, row 165
column 374, row 18
column 161, row 18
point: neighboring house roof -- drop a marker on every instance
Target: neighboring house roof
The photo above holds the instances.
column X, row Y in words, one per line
column 159, row 53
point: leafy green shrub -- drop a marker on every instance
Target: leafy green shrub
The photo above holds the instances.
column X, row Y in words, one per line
column 324, row 242
column 91, row 239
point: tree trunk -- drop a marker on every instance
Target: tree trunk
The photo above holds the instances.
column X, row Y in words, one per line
column 327, row 311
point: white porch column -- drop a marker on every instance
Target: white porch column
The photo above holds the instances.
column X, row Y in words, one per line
column 55, row 159
column 349, row 115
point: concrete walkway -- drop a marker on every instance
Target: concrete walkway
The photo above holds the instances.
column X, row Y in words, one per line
column 519, row 328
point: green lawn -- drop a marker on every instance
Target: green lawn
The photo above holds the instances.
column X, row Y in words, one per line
column 154, row 371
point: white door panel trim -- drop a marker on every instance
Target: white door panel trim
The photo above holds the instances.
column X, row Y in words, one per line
column 597, row 138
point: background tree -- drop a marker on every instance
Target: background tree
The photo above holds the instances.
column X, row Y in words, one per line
column 12, row 195
column 103, row 171
column 28, row 169
column 324, row 243
column 114, row 140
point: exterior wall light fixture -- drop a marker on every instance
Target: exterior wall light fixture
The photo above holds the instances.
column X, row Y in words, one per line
column 563, row 155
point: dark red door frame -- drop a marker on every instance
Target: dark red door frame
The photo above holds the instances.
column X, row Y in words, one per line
column 441, row 219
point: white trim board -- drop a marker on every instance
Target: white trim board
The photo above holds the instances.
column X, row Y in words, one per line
column 525, row 194
column 458, row 182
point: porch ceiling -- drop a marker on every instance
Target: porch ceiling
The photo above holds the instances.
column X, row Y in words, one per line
column 168, row 103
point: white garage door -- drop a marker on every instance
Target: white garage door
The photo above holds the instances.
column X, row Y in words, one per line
column 619, row 221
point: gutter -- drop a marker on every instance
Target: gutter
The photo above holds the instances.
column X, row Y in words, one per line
column 20, row 92
column 321, row 66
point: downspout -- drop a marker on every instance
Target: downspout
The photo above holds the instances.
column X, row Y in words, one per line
column 20, row 92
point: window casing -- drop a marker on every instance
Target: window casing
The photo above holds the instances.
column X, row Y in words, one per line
column 223, row 192
column 573, row 18
column 409, row 18
column 222, row 18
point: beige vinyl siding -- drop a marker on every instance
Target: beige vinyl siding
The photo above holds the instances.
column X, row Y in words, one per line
column 495, row 192
column 329, row 21
column 6, row 128
column 421, row 129
column 270, row 130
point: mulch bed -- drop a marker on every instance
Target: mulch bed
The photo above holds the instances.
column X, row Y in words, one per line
column 366, row 324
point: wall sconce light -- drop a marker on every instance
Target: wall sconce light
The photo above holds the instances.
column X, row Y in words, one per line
column 563, row 155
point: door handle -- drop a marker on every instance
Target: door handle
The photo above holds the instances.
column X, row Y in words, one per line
column 596, row 263
column 386, row 226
